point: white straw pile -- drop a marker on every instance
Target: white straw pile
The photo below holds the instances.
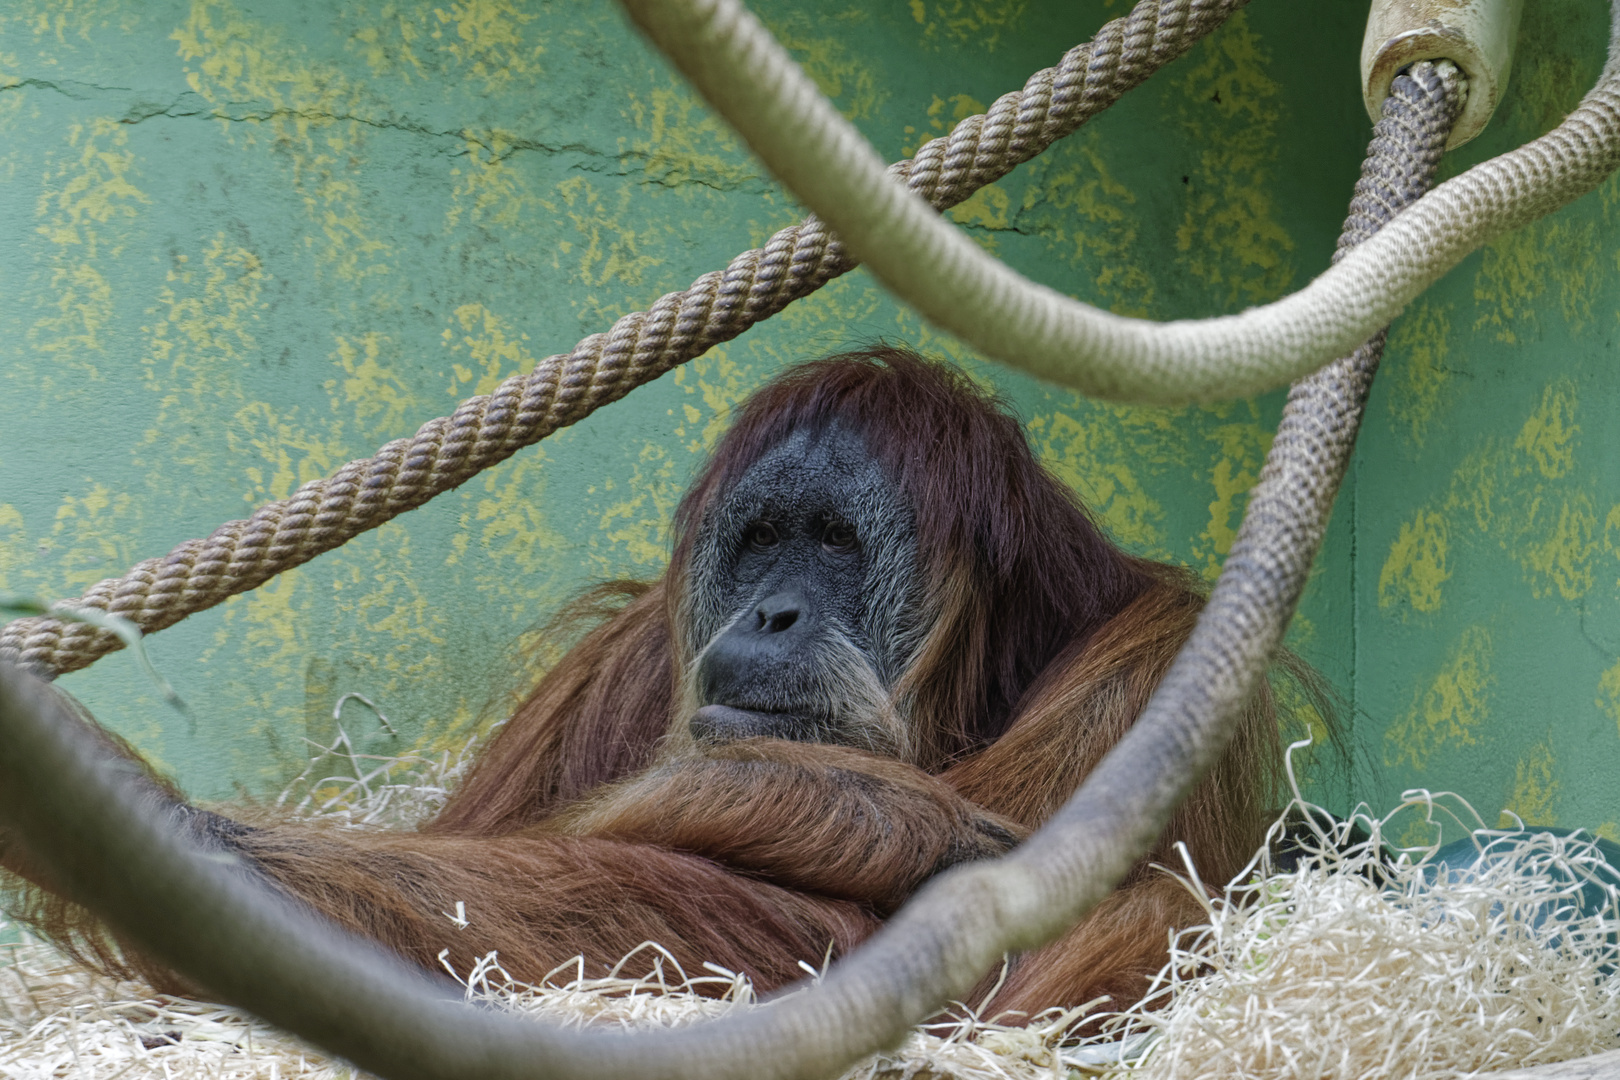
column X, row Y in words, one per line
column 59, row 1020
column 1347, row 967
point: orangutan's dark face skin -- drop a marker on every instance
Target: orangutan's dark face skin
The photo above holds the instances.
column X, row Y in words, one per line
column 810, row 597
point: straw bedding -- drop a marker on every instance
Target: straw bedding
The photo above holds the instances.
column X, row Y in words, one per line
column 1348, row 966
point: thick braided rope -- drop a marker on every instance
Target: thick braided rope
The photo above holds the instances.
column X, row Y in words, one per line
column 92, row 829
column 563, row 389
column 732, row 58
column 1189, row 720
column 1019, row 902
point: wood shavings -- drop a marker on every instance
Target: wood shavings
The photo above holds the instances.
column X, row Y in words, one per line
column 1361, row 967
column 1350, row 966
column 59, row 1020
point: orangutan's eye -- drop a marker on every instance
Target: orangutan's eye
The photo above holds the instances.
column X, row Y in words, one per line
column 839, row 536
column 761, row 534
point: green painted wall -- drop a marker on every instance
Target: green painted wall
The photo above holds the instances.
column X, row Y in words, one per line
column 241, row 243
column 1487, row 511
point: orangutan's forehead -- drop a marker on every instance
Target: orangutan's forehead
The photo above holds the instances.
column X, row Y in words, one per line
column 826, row 467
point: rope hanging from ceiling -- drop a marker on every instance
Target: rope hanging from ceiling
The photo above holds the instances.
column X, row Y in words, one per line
column 89, row 816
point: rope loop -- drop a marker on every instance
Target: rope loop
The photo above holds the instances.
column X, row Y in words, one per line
column 565, row 388
column 96, row 830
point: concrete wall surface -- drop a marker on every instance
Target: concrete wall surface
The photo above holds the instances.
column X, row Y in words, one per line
column 243, row 241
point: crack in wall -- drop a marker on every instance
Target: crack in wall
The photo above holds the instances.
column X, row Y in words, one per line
column 190, row 105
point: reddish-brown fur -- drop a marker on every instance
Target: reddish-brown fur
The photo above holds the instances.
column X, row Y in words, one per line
column 577, row 834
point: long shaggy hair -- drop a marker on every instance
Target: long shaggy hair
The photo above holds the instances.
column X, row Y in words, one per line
column 1015, row 570
column 1016, row 573
column 1026, row 646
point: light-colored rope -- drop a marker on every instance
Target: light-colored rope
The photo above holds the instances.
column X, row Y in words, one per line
column 563, row 389
column 87, row 821
column 730, row 56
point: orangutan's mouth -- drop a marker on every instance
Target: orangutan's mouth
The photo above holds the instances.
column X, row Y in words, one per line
column 726, row 723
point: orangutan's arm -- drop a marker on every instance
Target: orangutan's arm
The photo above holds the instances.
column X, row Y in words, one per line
column 822, row 819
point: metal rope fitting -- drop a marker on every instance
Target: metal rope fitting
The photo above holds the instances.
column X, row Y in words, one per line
column 1476, row 35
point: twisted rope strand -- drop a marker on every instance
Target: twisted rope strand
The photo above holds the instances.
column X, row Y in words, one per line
column 960, row 923
column 565, row 388
column 956, row 285
column 93, row 830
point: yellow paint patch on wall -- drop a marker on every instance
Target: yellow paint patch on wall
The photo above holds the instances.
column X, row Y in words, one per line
column 313, row 112
column 1552, row 529
column 609, row 250
column 206, row 422
column 1415, row 568
column 979, row 23
column 716, row 383
column 848, row 81
column 485, row 350
column 89, row 186
column 373, row 616
column 61, row 20
column 1550, row 73
column 1418, row 832
column 1415, row 364
column 1559, row 545
column 1525, row 497
column 1115, row 457
column 636, row 527
column 986, row 208
column 1611, row 535
column 1089, row 218
column 520, row 554
column 197, row 344
column 86, row 194
column 1549, row 435
column 489, row 192
column 679, row 142
column 1535, row 789
column 275, row 624
column 1480, row 487
column 91, row 537
column 16, row 554
column 288, row 453
column 633, row 528
column 206, row 316
column 1241, row 450
column 381, row 401
column 1449, row 713
column 1093, row 458
column 392, row 631
column 1300, row 719
column 11, row 105
column 483, row 40
column 486, row 37
column 1511, row 286
column 941, row 120
column 1608, row 698
column 388, row 44
column 1229, row 236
